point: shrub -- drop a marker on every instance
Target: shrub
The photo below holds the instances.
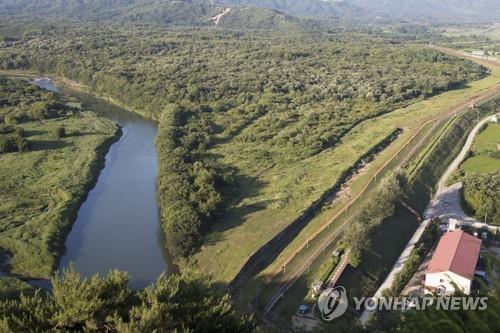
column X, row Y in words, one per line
column 59, row 132
column 38, row 111
column 10, row 120
column 13, row 142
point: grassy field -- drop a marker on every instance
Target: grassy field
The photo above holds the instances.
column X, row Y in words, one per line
column 388, row 240
column 485, row 151
column 42, row 189
column 487, row 30
column 276, row 194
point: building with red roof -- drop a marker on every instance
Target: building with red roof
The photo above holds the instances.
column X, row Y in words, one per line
column 453, row 263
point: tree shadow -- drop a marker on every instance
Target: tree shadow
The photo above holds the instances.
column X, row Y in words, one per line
column 31, row 133
column 40, row 145
column 76, row 134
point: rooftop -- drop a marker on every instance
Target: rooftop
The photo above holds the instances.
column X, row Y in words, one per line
column 456, row 252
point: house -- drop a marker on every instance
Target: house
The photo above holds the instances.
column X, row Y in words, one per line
column 453, row 264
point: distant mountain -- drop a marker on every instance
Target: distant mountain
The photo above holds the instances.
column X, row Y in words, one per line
column 253, row 14
column 305, row 8
column 162, row 12
column 413, row 10
column 433, row 10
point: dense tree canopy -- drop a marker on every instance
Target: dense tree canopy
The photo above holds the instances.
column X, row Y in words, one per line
column 287, row 96
column 105, row 304
column 482, row 196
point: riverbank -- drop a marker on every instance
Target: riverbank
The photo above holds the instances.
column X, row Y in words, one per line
column 139, row 221
column 43, row 188
column 76, row 86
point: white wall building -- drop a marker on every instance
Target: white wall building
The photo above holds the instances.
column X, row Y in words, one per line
column 453, row 263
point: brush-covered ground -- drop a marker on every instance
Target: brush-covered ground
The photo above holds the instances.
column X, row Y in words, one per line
column 52, row 150
column 254, row 127
column 480, row 174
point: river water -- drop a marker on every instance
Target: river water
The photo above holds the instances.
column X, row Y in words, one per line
column 118, row 226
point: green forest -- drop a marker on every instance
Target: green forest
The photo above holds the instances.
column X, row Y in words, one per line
column 253, row 92
column 105, row 304
column 289, row 97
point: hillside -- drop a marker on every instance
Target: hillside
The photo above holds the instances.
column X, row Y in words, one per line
column 252, row 14
column 433, row 10
column 158, row 12
column 244, row 118
column 306, row 8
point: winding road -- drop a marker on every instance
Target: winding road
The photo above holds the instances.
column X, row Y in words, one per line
column 446, row 204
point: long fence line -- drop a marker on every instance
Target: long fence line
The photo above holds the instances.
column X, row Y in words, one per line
column 371, row 179
column 454, row 110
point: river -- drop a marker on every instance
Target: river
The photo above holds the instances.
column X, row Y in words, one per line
column 118, row 226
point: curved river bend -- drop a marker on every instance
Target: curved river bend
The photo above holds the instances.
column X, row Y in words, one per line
column 118, row 225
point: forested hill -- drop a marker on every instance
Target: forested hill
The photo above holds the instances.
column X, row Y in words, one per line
column 205, row 13
column 232, row 104
column 251, row 14
column 307, row 8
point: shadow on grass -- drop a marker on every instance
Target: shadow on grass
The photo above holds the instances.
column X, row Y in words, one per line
column 76, row 134
column 39, row 145
column 28, row 134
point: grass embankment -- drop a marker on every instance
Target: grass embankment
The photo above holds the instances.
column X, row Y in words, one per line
column 388, row 240
column 323, row 170
column 277, row 195
column 385, row 255
column 43, row 188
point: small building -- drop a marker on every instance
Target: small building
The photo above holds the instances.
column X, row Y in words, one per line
column 494, row 119
column 453, row 264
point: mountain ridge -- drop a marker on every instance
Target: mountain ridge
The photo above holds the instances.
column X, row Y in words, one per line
column 254, row 14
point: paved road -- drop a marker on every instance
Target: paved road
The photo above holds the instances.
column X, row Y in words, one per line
column 446, row 204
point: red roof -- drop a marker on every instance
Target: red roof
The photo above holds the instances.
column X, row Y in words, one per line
column 456, row 252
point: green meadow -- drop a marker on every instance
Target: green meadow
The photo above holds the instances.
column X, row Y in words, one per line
column 485, row 157
column 43, row 187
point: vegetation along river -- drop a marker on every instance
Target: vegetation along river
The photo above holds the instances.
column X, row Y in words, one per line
column 118, row 225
